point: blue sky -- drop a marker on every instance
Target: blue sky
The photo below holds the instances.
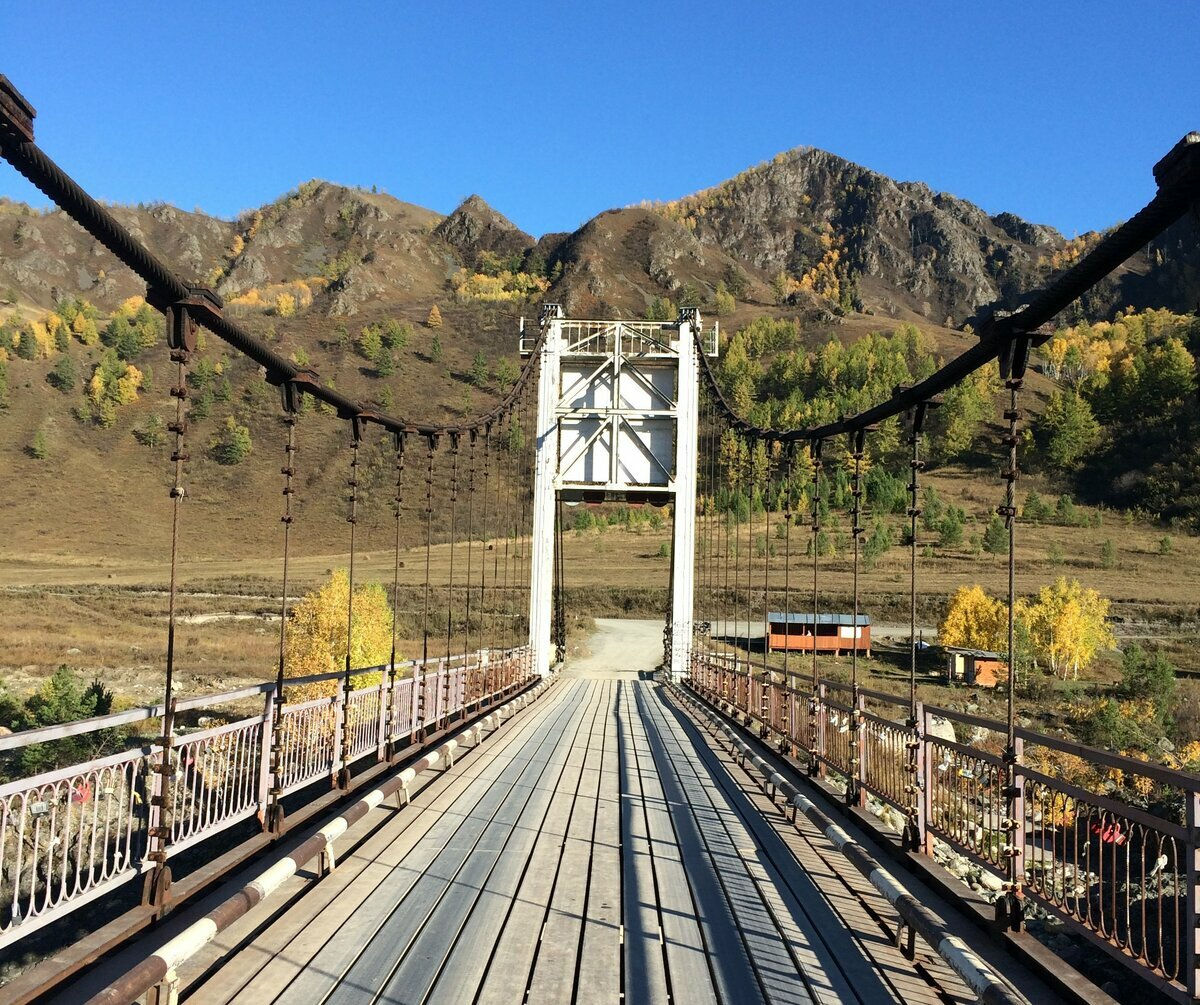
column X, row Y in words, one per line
column 554, row 112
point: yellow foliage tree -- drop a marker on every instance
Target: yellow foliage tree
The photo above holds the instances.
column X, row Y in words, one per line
column 96, row 387
column 43, row 338
column 435, row 317
column 317, row 634
column 85, row 329
column 975, row 621
column 126, row 390
column 1069, row 624
column 285, row 305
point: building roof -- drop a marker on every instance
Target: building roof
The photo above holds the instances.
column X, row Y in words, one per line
column 846, row 620
column 979, row 654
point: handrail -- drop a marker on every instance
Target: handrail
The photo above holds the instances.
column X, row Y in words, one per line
column 45, row 734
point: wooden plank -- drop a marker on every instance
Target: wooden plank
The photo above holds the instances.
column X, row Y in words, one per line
column 645, row 961
column 684, row 944
column 339, row 950
column 288, row 941
column 600, row 941
column 509, row 967
column 839, row 888
column 553, row 977
column 361, row 945
column 467, row 857
column 421, row 966
column 781, row 952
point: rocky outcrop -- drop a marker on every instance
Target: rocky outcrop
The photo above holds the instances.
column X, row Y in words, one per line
column 475, row 227
column 944, row 255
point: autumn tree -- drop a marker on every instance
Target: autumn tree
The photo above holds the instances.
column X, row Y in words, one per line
column 1069, row 626
column 370, row 343
column 317, row 634
column 723, row 300
column 975, row 621
column 434, row 320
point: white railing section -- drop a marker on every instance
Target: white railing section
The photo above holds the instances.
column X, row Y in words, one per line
column 70, row 835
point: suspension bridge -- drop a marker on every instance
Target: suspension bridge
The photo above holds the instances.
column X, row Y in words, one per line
column 679, row 818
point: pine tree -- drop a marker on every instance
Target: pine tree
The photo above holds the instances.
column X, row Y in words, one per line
column 435, row 349
column 434, row 320
column 995, row 537
column 63, row 375
column 479, row 370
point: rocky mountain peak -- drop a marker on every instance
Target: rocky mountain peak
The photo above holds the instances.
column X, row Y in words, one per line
column 475, row 227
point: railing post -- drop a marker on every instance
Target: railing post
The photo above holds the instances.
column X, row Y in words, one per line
column 926, row 775
column 385, row 699
column 158, row 881
column 267, row 783
column 339, row 699
column 822, row 723
column 914, row 837
column 860, row 726
column 1191, row 934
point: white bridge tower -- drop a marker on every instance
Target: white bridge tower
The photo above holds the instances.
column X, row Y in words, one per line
column 618, row 405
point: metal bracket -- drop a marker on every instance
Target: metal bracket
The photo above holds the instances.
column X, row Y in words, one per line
column 291, row 389
column 16, row 114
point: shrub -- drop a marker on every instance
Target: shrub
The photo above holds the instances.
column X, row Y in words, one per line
column 1165, row 545
column 152, row 433
column 1149, row 677
column 950, row 530
column 1108, row 554
column 232, row 445
column 38, row 448
column 62, row 698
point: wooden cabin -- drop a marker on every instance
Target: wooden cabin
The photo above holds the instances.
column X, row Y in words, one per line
column 827, row 633
column 975, row 667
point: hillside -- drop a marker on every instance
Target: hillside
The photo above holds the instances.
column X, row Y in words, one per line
column 809, row 237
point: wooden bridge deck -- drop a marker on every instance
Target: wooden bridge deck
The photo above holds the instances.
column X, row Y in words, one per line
column 598, row 847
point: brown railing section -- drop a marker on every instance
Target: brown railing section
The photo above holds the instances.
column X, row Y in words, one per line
column 1122, row 876
column 72, row 834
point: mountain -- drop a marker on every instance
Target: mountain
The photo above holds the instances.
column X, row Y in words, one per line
column 828, row 225
column 808, row 237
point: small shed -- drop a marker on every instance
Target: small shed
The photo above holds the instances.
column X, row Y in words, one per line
column 977, row 667
column 827, row 633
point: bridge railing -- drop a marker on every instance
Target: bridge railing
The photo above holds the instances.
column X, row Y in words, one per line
column 1123, row 876
column 72, row 834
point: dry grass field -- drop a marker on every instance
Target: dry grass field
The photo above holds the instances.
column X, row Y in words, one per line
column 105, row 612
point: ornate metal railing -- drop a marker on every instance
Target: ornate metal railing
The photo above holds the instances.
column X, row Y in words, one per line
column 1122, row 876
column 72, row 834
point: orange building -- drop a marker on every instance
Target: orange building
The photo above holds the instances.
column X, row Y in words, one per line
column 976, row 667
column 827, row 633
